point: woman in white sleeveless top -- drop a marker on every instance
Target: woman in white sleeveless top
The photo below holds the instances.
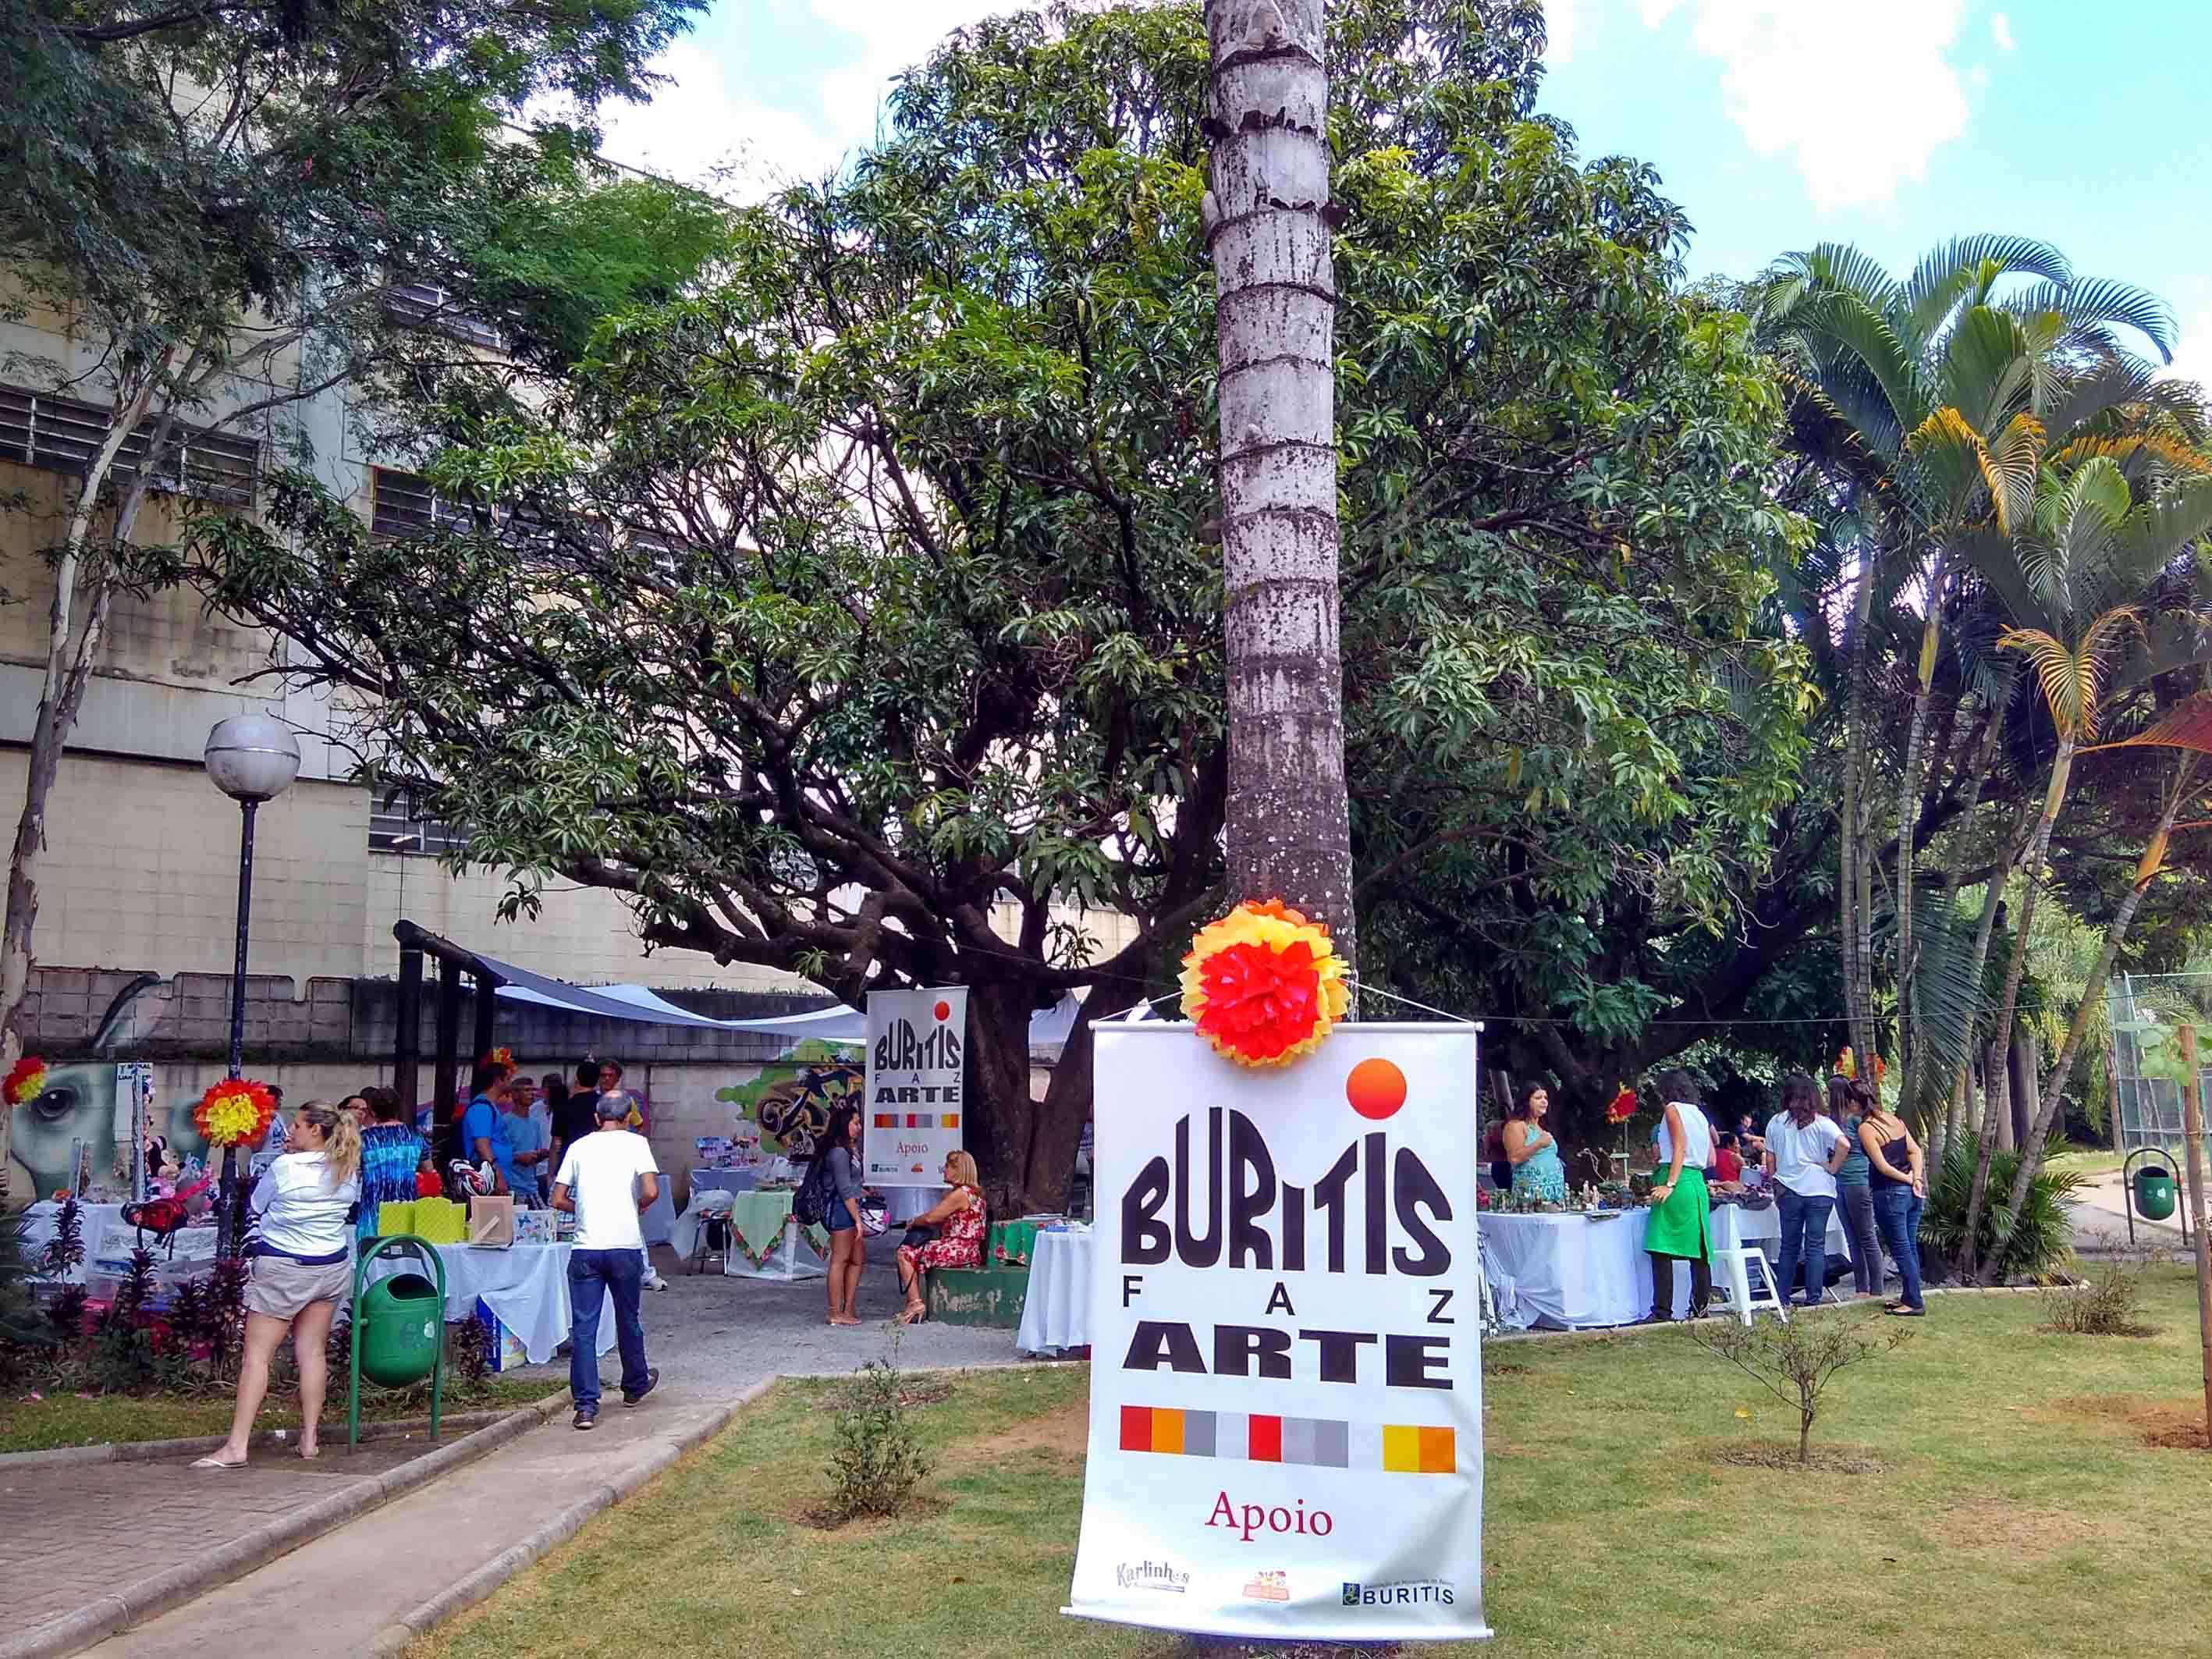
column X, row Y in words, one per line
column 1680, row 1224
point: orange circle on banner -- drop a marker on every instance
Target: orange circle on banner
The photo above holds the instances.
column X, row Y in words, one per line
column 944, row 1010
column 1375, row 1088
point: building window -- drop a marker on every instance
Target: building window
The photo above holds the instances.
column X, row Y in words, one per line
column 395, row 826
column 62, row 435
column 406, row 505
column 425, row 305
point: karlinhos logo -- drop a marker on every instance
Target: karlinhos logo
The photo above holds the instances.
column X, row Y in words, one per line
column 1152, row 1575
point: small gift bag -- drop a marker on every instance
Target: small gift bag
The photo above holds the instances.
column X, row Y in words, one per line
column 491, row 1221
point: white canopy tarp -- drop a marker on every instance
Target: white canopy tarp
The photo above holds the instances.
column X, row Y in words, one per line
column 836, row 1024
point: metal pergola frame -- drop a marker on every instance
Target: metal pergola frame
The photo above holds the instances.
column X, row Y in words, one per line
column 415, row 944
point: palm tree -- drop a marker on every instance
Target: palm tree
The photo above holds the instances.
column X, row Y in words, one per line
column 1268, row 217
column 2081, row 597
column 1946, row 395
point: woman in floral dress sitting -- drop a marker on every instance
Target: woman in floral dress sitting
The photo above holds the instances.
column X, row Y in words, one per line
column 960, row 1213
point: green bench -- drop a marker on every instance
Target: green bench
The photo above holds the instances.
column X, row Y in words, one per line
column 989, row 1296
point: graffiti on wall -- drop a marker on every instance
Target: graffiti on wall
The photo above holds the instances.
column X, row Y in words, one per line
column 792, row 1097
column 89, row 1105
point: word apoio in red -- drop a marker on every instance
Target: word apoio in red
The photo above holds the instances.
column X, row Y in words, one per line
column 1250, row 1518
column 1252, row 1219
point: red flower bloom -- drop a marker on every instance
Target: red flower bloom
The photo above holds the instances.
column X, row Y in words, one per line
column 1621, row 1107
column 1260, row 1003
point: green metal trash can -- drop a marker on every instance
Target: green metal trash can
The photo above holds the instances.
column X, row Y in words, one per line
column 402, row 1323
column 2155, row 1194
column 398, row 1328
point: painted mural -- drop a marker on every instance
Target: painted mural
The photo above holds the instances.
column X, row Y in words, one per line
column 792, row 1098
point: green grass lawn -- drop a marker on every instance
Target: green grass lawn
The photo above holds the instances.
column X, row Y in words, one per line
column 73, row 1420
column 2015, row 1505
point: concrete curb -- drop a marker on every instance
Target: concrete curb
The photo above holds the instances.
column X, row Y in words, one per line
column 152, row 1451
column 147, row 1598
column 467, row 1592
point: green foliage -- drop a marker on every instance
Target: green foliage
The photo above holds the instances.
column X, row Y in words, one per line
column 22, row 1332
column 2041, row 1234
column 869, row 582
column 65, row 1251
column 876, row 1459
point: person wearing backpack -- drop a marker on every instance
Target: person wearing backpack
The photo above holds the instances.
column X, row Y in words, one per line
column 830, row 1197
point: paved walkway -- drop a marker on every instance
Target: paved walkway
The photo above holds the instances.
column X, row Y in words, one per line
column 72, row 1533
column 711, row 1337
column 2101, row 1220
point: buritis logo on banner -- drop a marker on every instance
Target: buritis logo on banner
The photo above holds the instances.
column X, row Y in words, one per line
column 1411, row 1594
column 1152, row 1575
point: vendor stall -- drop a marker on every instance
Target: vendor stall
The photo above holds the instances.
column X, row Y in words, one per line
column 109, row 1240
column 525, row 1285
column 767, row 1241
column 1576, row 1271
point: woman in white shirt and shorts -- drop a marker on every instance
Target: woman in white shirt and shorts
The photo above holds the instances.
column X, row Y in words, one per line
column 303, row 1268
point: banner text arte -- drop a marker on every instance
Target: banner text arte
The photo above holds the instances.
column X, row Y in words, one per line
column 1249, row 1216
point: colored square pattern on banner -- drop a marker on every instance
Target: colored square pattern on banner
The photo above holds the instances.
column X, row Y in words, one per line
column 1312, row 1442
column 915, row 1121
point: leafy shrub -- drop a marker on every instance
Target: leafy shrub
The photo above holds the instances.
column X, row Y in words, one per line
column 2109, row 1302
column 24, row 1336
column 65, row 1251
column 1795, row 1362
column 468, row 1351
column 2043, row 1242
column 876, row 1459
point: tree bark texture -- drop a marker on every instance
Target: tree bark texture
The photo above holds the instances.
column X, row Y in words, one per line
column 1855, row 928
column 1908, row 824
column 2054, row 797
column 1024, row 1146
column 1267, row 226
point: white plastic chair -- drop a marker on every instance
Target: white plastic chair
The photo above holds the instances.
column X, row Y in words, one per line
column 1732, row 1283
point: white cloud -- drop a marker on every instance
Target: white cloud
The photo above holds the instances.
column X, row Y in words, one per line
column 2192, row 352
column 2001, row 30
column 1561, row 19
column 1860, row 95
column 698, row 129
column 892, row 35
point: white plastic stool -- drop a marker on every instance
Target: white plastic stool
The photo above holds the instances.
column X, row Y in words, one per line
column 1732, row 1283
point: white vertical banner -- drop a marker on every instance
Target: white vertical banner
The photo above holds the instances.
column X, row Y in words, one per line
column 916, row 1041
column 1285, row 1381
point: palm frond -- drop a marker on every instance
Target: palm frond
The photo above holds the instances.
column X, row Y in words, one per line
column 1987, row 371
column 2091, row 306
column 1946, row 275
column 1949, row 1002
column 2188, row 726
column 2057, row 671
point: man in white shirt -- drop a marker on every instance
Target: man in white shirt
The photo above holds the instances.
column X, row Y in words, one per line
column 608, row 1179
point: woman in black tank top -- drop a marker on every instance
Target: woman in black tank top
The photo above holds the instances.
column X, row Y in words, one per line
column 1897, row 1174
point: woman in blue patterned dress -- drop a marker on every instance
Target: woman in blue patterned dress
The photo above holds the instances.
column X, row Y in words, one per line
column 1533, row 1152
column 390, row 1151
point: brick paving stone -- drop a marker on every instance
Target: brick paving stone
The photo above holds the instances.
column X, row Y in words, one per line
column 69, row 1533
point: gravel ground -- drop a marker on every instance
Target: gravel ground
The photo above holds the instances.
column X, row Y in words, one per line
column 722, row 1334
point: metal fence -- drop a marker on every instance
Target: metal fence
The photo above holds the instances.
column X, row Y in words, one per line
column 2150, row 1107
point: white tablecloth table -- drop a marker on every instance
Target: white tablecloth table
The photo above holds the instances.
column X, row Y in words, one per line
column 1056, row 1311
column 526, row 1286
column 699, row 1179
column 1577, row 1272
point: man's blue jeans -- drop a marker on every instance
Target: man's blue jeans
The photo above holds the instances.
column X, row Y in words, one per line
column 1804, row 1233
column 623, row 1276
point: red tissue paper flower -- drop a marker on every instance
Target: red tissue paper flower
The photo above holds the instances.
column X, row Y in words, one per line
column 235, row 1112
column 1621, row 1107
column 1263, row 984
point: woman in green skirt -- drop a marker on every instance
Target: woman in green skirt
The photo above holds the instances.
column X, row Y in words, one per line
column 1680, row 1227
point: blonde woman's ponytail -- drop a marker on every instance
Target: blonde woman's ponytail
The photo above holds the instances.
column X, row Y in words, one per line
column 340, row 1141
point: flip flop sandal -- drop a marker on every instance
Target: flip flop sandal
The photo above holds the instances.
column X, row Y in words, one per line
column 217, row 1463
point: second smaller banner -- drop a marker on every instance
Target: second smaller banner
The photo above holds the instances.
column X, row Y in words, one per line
column 916, row 1043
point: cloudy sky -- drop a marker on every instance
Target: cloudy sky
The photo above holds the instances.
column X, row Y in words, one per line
column 1892, row 124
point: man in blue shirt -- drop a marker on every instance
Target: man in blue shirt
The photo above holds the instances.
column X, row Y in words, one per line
column 480, row 1122
column 520, row 1145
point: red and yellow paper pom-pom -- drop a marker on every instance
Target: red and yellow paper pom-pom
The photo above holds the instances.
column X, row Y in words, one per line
column 1263, row 984
column 1847, row 1064
column 501, row 1057
column 1622, row 1106
column 25, row 1081
column 235, row 1112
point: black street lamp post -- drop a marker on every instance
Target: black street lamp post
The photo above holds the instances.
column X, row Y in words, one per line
column 252, row 758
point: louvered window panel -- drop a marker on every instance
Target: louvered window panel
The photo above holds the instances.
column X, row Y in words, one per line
column 425, row 305
column 405, row 504
column 62, row 435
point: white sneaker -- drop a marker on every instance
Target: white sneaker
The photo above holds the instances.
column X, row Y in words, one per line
column 657, row 1282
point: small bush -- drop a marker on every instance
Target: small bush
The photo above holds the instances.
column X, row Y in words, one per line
column 468, row 1351
column 876, row 1459
column 2109, row 1302
column 1795, row 1362
column 2043, row 1242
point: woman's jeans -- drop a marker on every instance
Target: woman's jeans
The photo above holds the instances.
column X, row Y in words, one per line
column 1804, row 1235
column 1899, row 1209
column 1866, row 1243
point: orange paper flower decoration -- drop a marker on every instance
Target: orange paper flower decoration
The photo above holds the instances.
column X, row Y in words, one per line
column 235, row 1112
column 1847, row 1064
column 501, row 1057
column 25, row 1081
column 1263, row 984
column 1622, row 1106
